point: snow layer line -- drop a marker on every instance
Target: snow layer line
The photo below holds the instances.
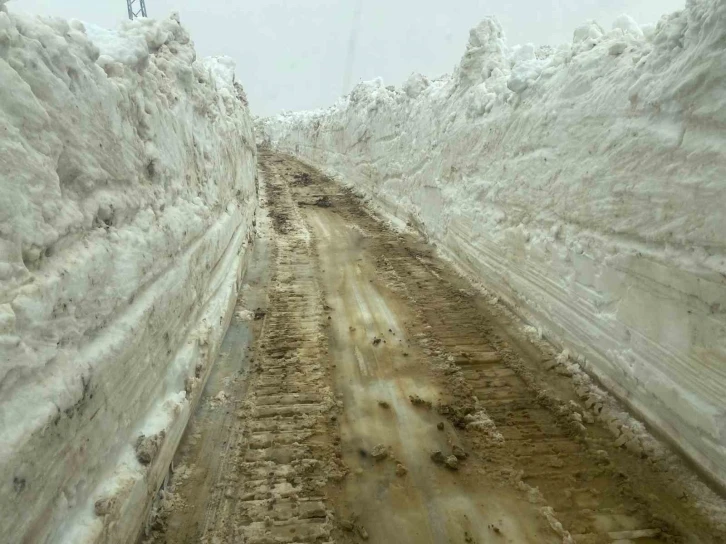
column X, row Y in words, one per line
column 583, row 184
column 127, row 183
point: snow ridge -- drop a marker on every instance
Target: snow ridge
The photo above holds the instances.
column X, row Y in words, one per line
column 583, row 184
column 127, row 177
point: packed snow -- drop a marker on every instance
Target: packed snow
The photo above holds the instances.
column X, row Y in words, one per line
column 583, row 184
column 127, row 175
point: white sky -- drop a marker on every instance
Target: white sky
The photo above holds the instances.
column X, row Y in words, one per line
column 292, row 54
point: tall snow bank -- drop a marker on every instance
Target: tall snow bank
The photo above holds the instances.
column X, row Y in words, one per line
column 127, row 196
column 584, row 184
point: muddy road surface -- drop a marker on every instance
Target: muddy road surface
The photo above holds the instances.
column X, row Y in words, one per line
column 366, row 392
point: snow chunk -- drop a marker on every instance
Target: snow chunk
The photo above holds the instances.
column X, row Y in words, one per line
column 415, row 85
column 485, row 52
column 222, row 70
column 526, row 67
column 626, row 23
column 131, row 49
column 586, row 36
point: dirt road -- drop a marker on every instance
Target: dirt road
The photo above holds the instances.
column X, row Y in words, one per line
column 378, row 397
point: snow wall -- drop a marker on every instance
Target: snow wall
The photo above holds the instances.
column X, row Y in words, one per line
column 584, row 185
column 127, row 198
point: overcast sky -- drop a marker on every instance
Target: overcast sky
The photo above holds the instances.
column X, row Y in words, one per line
column 292, row 54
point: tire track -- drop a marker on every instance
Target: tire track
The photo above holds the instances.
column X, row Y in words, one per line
column 279, row 455
column 276, row 489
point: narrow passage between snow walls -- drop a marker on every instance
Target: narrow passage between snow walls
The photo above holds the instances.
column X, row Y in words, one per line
column 583, row 186
column 128, row 197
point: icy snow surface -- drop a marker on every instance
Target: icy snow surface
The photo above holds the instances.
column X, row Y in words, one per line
column 584, row 184
column 127, row 183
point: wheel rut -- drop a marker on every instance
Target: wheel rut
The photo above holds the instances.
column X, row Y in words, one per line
column 274, row 484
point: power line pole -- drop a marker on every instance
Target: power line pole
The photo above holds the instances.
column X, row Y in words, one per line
column 135, row 10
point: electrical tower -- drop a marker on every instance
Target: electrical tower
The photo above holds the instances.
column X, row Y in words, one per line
column 137, row 8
